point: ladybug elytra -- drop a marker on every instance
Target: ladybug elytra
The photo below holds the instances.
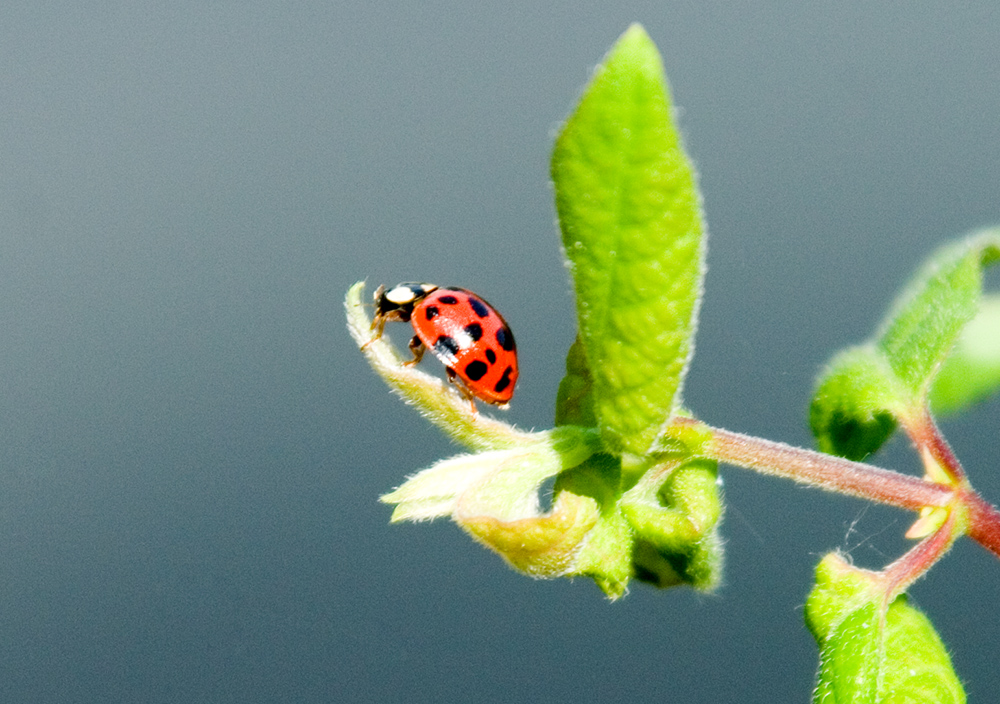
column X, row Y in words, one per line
column 462, row 330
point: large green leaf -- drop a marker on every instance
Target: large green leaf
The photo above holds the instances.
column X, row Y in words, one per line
column 630, row 216
column 871, row 653
column 866, row 390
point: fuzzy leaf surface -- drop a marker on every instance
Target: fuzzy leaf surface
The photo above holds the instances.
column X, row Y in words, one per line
column 630, row 216
column 872, row 654
column 867, row 390
column 972, row 371
column 855, row 406
column 929, row 315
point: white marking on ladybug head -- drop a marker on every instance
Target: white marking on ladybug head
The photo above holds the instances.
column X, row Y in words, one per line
column 400, row 295
column 404, row 294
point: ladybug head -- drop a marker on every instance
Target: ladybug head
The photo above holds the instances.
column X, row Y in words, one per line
column 400, row 299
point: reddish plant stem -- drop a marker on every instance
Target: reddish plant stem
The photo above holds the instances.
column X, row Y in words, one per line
column 824, row 471
column 984, row 522
column 927, row 436
column 853, row 478
column 898, row 576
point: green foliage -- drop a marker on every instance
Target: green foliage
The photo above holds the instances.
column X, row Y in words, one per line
column 872, row 652
column 574, row 401
column 655, row 520
column 972, row 371
column 855, row 407
column 867, row 390
column 635, row 492
column 630, row 216
column 675, row 512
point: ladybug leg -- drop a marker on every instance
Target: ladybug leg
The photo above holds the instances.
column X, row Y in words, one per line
column 462, row 389
column 418, row 349
column 378, row 325
column 377, row 297
column 378, row 320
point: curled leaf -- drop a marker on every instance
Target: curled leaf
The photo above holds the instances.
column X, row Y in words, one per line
column 855, row 407
column 493, row 495
column 674, row 510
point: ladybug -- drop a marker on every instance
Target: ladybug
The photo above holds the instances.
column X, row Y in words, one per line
column 465, row 332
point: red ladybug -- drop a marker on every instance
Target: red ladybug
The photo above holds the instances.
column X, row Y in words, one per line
column 465, row 332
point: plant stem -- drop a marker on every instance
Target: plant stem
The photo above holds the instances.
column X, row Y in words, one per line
column 824, row 471
column 984, row 522
column 852, row 478
column 898, row 576
column 926, row 435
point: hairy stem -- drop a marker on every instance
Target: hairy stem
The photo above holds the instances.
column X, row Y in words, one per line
column 852, row 478
column 926, row 435
column 984, row 523
column 824, row 471
column 898, row 576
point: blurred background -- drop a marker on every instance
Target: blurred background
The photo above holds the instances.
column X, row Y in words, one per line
column 193, row 449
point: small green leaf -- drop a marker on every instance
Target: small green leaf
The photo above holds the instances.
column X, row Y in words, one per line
column 972, row 371
column 867, row 390
column 606, row 556
column 630, row 215
column 574, row 400
column 506, row 479
column 927, row 318
column 674, row 510
column 870, row 653
column 493, row 496
column 854, row 409
column 662, row 530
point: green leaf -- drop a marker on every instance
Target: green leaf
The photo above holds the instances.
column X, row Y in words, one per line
column 927, row 318
column 866, row 390
column 574, row 400
column 972, row 371
column 871, row 653
column 493, row 496
column 606, row 555
column 662, row 530
column 630, row 215
column 503, row 483
column 674, row 510
column 854, row 408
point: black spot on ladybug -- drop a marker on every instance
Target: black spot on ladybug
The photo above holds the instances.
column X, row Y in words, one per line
column 480, row 308
column 475, row 331
column 431, row 312
column 504, row 380
column 447, row 300
column 506, row 338
column 476, row 369
column 446, row 346
column 491, row 355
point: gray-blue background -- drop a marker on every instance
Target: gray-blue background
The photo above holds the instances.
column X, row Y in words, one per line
column 192, row 448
